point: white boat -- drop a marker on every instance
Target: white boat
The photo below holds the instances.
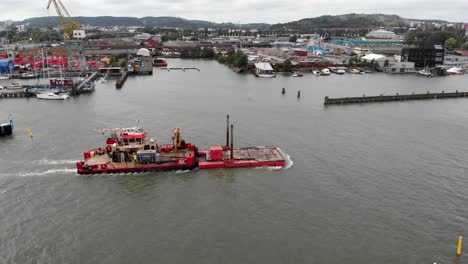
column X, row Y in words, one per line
column 52, row 96
column 425, row 72
column 297, row 74
column 325, row 71
column 4, row 77
column 316, row 72
column 263, row 69
column 340, row 71
column 455, row 71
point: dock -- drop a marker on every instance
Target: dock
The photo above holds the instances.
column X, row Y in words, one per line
column 120, row 82
column 91, row 78
column 391, row 98
column 4, row 94
column 180, row 68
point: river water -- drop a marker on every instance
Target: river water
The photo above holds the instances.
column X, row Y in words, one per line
column 374, row 183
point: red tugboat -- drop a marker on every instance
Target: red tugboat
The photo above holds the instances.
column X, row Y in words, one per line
column 127, row 150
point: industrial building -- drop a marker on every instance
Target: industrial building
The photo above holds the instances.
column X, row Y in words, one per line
column 424, row 57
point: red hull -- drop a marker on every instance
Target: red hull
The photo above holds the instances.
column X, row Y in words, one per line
column 159, row 64
column 203, row 159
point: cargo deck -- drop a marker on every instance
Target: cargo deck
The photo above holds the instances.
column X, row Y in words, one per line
column 242, row 157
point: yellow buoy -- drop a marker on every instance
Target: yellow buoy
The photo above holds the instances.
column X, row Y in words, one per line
column 30, row 132
column 460, row 242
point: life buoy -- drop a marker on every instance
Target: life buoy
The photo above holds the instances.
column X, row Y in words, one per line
column 103, row 166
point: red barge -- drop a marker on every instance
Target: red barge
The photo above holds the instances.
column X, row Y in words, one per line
column 128, row 151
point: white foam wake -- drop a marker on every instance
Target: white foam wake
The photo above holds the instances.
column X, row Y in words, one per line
column 54, row 162
column 47, row 172
column 289, row 161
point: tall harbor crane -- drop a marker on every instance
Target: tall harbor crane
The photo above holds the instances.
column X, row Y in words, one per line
column 66, row 20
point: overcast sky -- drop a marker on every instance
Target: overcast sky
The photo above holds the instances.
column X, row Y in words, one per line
column 243, row 11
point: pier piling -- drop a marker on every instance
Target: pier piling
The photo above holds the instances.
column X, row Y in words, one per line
column 459, row 248
column 232, row 141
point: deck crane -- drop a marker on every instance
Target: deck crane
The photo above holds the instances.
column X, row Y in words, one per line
column 67, row 22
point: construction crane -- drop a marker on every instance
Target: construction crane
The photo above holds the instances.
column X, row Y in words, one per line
column 67, row 22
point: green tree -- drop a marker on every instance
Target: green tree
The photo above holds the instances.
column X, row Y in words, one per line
column 287, row 65
column 451, row 43
column 353, row 61
column 293, row 38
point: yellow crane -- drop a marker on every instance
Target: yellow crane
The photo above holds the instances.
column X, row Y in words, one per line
column 67, row 22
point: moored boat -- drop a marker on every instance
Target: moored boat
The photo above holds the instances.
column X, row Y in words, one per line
column 316, row 72
column 27, row 76
column 325, row 72
column 158, row 62
column 52, row 96
column 6, row 129
column 425, row 72
column 297, row 74
column 455, row 71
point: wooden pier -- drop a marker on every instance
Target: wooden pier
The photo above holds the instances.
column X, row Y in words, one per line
column 91, row 78
column 391, row 98
column 180, row 68
column 120, row 82
column 4, row 94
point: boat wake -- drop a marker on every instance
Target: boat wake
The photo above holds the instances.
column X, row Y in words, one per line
column 182, row 171
column 54, row 162
column 289, row 162
column 47, row 172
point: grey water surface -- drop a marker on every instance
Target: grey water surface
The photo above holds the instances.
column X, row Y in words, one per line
column 373, row 183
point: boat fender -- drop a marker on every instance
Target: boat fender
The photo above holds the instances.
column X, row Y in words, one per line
column 103, row 166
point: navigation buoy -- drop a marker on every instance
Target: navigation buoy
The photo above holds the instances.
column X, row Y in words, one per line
column 30, row 132
column 459, row 248
column 283, row 91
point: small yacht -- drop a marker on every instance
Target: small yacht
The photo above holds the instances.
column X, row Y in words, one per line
column 325, row 71
column 297, row 74
column 425, row 72
column 316, row 72
column 455, row 71
column 52, row 96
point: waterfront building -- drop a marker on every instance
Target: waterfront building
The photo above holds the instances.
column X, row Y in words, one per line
column 400, row 67
column 424, row 57
column 458, row 58
column 380, row 59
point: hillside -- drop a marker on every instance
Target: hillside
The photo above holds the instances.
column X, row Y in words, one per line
column 143, row 22
column 345, row 21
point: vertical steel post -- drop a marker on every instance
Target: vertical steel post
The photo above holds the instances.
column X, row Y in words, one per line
column 232, row 142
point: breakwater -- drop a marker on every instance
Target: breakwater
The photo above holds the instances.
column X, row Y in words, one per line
column 390, row 98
